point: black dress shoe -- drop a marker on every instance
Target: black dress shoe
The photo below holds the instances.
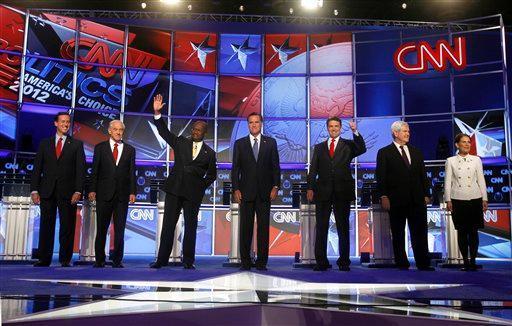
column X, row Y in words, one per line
column 98, row 264
column 245, row 268
column 465, row 268
column 344, row 268
column 117, row 265
column 65, row 264
column 319, row 268
column 189, row 266
column 261, row 268
column 472, row 268
column 41, row 264
column 426, row 268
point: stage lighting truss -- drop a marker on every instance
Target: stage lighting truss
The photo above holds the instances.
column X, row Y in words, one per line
column 463, row 25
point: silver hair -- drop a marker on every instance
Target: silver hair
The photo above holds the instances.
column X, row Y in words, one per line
column 116, row 121
column 397, row 126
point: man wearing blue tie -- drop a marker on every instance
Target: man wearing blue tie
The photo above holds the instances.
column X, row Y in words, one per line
column 256, row 178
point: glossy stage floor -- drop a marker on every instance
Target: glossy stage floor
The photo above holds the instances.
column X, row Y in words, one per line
column 216, row 295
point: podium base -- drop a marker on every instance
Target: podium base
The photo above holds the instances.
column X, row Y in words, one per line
column 304, row 265
column 17, row 261
column 233, row 262
column 379, row 265
column 89, row 263
column 456, row 265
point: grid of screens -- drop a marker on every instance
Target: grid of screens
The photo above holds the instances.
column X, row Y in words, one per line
column 104, row 71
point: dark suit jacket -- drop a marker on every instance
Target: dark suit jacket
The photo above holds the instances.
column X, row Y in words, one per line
column 107, row 178
column 188, row 178
column 401, row 185
column 327, row 176
column 65, row 175
column 255, row 178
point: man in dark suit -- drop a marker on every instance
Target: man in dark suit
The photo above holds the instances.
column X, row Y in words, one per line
column 331, row 186
column 403, row 187
column 256, row 177
column 57, row 182
column 195, row 168
column 112, row 187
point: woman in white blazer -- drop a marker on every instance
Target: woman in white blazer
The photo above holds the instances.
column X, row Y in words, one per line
column 466, row 198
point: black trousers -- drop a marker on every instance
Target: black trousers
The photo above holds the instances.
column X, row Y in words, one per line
column 173, row 206
column 247, row 210
column 416, row 217
column 341, row 215
column 67, row 219
column 116, row 210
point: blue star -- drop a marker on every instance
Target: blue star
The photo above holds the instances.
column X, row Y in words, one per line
column 242, row 51
column 283, row 51
column 202, row 50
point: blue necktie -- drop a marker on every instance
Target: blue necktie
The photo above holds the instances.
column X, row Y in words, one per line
column 255, row 149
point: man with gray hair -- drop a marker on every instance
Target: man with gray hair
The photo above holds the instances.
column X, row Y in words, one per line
column 112, row 187
column 404, row 190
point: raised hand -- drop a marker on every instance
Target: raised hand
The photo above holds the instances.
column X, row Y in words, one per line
column 353, row 125
column 157, row 103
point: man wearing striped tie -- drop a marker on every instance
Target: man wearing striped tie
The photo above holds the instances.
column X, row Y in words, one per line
column 57, row 182
column 112, row 187
column 331, row 186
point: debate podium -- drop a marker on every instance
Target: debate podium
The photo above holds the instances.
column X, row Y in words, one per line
column 381, row 238
column 234, row 259
column 16, row 219
column 307, row 220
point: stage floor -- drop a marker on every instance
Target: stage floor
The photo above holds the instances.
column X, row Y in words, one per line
column 217, row 295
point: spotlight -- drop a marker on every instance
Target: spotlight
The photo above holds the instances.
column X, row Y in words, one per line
column 189, row 7
column 241, row 8
column 335, row 12
column 143, row 5
column 312, row 4
column 291, row 11
column 170, row 2
column 404, row 5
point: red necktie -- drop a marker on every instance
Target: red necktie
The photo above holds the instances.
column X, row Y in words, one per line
column 331, row 148
column 115, row 153
column 58, row 148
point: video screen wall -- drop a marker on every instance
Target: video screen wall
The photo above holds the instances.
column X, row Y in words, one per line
column 100, row 72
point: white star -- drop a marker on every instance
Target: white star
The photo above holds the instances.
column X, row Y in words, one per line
column 202, row 50
column 242, row 51
column 283, row 51
column 246, row 289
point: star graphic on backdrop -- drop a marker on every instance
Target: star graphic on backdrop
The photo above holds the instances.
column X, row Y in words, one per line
column 241, row 52
column 201, row 50
column 283, row 50
column 247, row 288
column 327, row 42
column 98, row 123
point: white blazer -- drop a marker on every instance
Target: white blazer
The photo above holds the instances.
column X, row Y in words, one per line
column 464, row 178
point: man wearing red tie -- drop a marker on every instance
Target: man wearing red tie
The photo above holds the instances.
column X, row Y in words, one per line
column 112, row 187
column 57, row 182
column 331, row 186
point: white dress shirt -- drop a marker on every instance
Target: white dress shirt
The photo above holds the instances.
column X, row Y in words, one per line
column 406, row 149
column 464, row 178
column 119, row 149
column 63, row 140
column 251, row 137
column 329, row 140
column 199, row 145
